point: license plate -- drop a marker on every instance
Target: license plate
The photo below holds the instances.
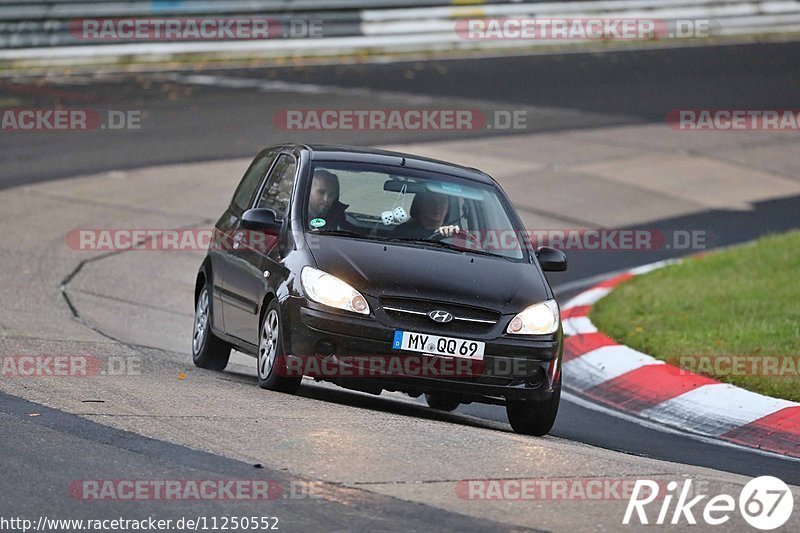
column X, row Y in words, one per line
column 433, row 344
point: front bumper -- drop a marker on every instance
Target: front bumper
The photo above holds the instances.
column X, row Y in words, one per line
column 339, row 343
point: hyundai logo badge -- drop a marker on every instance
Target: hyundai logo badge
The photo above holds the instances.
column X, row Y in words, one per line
column 440, row 316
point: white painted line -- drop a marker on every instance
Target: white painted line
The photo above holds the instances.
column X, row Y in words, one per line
column 273, row 86
column 644, row 269
column 276, row 86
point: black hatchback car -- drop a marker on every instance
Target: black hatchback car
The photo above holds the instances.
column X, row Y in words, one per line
column 381, row 271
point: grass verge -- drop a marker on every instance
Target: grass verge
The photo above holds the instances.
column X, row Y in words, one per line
column 733, row 315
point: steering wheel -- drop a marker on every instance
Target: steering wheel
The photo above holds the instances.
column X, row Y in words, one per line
column 436, row 236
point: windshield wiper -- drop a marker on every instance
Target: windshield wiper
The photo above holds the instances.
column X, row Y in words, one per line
column 450, row 246
column 339, row 232
column 425, row 241
column 439, row 243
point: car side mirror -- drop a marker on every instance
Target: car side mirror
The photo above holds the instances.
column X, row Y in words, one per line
column 551, row 260
column 261, row 219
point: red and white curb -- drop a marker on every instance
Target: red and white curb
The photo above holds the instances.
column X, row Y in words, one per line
column 614, row 375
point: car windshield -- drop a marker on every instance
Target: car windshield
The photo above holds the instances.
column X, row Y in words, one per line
column 410, row 206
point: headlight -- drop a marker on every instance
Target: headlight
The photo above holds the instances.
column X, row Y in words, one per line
column 538, row 319
column 330, row 290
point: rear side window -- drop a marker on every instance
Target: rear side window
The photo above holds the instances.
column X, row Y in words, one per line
column 278, row 190
column 251, row 180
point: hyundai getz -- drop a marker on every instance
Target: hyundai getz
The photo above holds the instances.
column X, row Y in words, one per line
column 379, row 271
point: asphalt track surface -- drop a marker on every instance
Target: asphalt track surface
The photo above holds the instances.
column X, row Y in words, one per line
column 53, row 449
column 567, row 91
column 570, row 91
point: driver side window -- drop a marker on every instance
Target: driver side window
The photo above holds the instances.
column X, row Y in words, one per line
column 252, row 178
column 278, row 190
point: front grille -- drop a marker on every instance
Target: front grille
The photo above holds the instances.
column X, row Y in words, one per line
column 403, row 314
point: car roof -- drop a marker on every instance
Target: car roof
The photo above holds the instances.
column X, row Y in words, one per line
column 360, row 154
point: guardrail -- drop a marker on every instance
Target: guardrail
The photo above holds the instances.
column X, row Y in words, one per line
column 42, row 29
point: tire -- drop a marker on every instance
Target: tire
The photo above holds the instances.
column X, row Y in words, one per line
column 529, row 417
column 441, row 402
column 271, row 354
column 208, row 350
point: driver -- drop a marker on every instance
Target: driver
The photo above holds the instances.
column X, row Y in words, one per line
column 324, row 204
column 428, row 211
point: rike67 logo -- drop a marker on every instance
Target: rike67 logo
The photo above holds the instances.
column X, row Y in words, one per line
column 765, row 503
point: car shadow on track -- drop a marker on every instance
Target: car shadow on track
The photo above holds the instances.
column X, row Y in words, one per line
column 330, row 393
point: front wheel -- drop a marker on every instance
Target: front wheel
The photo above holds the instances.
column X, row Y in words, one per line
column 208, row 350
column 534, row 417
column 271, row 357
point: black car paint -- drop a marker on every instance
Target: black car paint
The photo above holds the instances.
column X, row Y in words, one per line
column 241, row 291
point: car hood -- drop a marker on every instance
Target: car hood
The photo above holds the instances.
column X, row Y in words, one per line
column 379, row 269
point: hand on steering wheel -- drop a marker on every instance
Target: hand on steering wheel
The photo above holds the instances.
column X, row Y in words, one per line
column 448, row 231
column 452, row 231
column 444, row 232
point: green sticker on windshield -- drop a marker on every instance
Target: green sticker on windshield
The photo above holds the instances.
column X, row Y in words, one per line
column 317, row 222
